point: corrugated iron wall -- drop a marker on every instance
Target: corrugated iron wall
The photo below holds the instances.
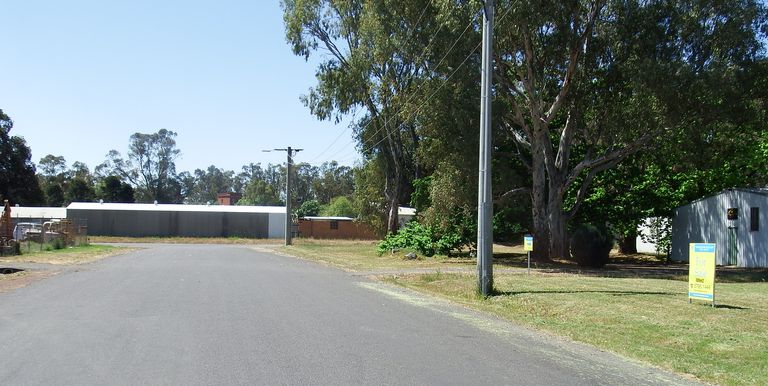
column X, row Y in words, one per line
column 184, row 224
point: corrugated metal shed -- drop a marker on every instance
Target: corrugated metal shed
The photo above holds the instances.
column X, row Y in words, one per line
column 178, row 207
column 742, row 241
column 141, row 220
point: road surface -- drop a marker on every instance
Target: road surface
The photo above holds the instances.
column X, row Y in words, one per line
column 229, row 315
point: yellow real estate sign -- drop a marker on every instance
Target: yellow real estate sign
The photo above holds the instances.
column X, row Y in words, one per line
column 701, row 272
column 528, row 243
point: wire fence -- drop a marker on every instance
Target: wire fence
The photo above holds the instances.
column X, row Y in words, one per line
column 45, row 234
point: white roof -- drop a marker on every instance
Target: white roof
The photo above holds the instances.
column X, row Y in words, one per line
column 177, row 207
column 22, row 212
column 405, row 211
column 327, row 218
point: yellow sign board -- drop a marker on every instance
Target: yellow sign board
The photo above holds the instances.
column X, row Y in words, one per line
column 701, row 272
column 528, row 243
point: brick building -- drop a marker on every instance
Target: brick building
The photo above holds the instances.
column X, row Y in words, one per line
column 335, row 228
column 229, row 198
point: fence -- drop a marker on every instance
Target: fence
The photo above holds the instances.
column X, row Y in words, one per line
column 40, row 234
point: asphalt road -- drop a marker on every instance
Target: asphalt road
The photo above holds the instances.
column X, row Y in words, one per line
column 210, row 315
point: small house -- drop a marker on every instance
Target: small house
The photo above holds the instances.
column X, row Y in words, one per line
column 335, row 228
column 734, row 219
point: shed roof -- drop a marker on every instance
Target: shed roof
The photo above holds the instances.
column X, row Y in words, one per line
column 327, row 218
column 758, row 191
column 38, row 212
column 406, row 211
column 177, row 207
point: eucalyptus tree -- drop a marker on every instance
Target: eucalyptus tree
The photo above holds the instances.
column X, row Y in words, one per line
column 209, row 183
column 585, row 84
column 372, row 52
column 332, row 180
column 150, row 166
column 18, row 182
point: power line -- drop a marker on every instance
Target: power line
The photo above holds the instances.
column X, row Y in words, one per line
column 409, row 36
column 414, row 93
column 365, row 149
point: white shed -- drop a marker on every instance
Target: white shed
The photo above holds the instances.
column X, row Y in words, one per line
column 734, row 219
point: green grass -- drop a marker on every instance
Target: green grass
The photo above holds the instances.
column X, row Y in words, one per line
column 645, row 319
column 70, row 255
column 639, row 312
column 362, row 256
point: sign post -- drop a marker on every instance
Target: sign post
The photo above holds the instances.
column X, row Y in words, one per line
column 701, row 272
column 528, row 247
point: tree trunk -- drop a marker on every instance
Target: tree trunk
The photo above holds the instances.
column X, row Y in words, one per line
column 628, row 243
column 392, row 192
column 393, row 223
column 541, row 235
column 559, row 243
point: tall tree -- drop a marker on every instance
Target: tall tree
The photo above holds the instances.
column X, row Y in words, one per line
column 52, row 166
column 375, row 52
column 584, row 84
column 150, row 166
column 79, row 190
column 18, row 182
column 52, row 176
column 333, row 180
column 113, row 189
column 209, row 183
column 259, row 192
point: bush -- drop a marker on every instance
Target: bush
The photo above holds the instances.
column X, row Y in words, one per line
column 340, row 206
column 426, row 240
column 413, row 236
column 58, row 243
column 308, row 208
column 591, row 245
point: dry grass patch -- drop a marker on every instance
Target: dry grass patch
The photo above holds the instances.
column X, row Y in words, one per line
column 72, row 255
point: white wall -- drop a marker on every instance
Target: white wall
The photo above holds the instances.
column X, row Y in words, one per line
column 276, row 225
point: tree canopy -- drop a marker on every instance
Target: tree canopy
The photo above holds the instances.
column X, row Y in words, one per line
column 18, row 183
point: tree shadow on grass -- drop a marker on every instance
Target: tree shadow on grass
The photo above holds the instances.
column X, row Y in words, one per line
column 727, row 307
column 608, row 292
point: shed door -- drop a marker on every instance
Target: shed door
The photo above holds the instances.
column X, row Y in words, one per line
column 733, row 248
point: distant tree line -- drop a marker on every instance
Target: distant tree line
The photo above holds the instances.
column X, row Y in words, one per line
column 148, row 173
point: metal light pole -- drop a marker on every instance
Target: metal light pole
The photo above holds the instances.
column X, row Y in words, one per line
column 288, row 169
column 484, row 199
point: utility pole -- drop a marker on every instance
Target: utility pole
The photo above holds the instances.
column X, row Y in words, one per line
column 288, row 169
column 484, row 198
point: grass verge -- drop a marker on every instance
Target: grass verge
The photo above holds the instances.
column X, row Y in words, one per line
column 362, row 256
column 71, row 255
column 640, row 313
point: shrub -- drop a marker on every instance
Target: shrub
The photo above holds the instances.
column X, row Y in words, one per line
column 340, row 206
column 591, row 245
column 58, row 243
column 308, row 208
column 413, row 236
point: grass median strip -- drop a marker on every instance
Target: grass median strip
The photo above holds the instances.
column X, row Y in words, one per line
column 646, row 318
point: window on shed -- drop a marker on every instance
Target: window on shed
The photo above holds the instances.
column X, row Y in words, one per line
column 754, row 219
column 334, row 224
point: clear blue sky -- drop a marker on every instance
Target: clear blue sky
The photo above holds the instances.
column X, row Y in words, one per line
column 79, row 77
